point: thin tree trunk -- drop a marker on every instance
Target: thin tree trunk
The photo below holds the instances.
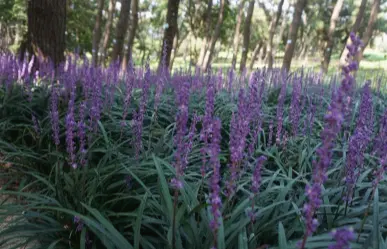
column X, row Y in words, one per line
column 97, row 32
column 214, row 38
column 174, row 50
column 355, row 29
column 169, row 33
column 237, row 33
column 330, row 42
column 121, row 30
column 289, row 50
column 107, row 31
column 263, row 54
column 273, row 27
column 132, row 34
column 370, row 27
column 256, row 51
column 46, row 30
column 207, row 38
column 246, row 35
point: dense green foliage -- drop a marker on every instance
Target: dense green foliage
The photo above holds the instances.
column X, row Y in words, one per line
column 126, row 202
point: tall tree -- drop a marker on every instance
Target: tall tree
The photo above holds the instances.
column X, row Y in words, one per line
column 132, row 33
column 107, row 31
column 121, row 30
column 255, row 54
column 246, row 35
column 330, row 41
column 97, row 31
column 207, row 37
column 46, row 30
column 292, row 38
column 210, row 49
column 272, row 28
column 370, row 27
column 169, row 32
column 237, row 33
column 355, row 29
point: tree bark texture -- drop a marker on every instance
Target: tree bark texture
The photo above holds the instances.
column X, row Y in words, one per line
column 97, row 32
column 273, row 27
column 246, row 35
column 256, row 51
column 132, row 33
column 210, row 50
column 355, row 29
column 207, row 38
column 169, row 33
column 237, row 33
column 330, row 35
column 107, row 31
column 121, row 30
column 370, row 27
column 46, row 30
column 292, row 39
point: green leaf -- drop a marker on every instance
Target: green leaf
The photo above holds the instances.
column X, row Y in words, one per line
column 137, row 227
column 376, row 228
column 282, row 236
column 164, row 188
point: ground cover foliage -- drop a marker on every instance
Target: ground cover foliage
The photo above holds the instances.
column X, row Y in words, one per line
column 97, row 158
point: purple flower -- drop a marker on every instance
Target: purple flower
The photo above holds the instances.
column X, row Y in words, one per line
column 182, row 101
column 359, row 141
column 214, row 198
column 71, row 126
column 139, row 115
column 295, row 108
column 342, row 237
column 239, row 128
column 129, row 80
column 255, row 184
column 82, row 133
column 280, row 109
column 207, row 123
column 77, row 221
column 54, row 115
column 270, row 139
column 333, row 122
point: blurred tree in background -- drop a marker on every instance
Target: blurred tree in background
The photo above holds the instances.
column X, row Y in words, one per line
column 212, row 32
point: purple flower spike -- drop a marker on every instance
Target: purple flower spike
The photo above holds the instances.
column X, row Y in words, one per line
column 333, row 123
column 182, row 101
column 255, row 184
column 359, row 141
column 342, row 238
column 71, row 126
column 214, row 198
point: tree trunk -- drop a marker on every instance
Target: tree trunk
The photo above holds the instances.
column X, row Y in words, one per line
column 246, row 35
column 214, row 38
column 292, row 39
column 46, row 30
column 97, row 32
column 169, row 33
column 237, row 34
column 330, row 42
column 132, row 34
column 370, row 27
column 121, row 30
column 174, row 50
column 263, row 54
column 273, row 27
column 207, row 38
column 107, row 31
column 256, row 51
column 355, row 29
